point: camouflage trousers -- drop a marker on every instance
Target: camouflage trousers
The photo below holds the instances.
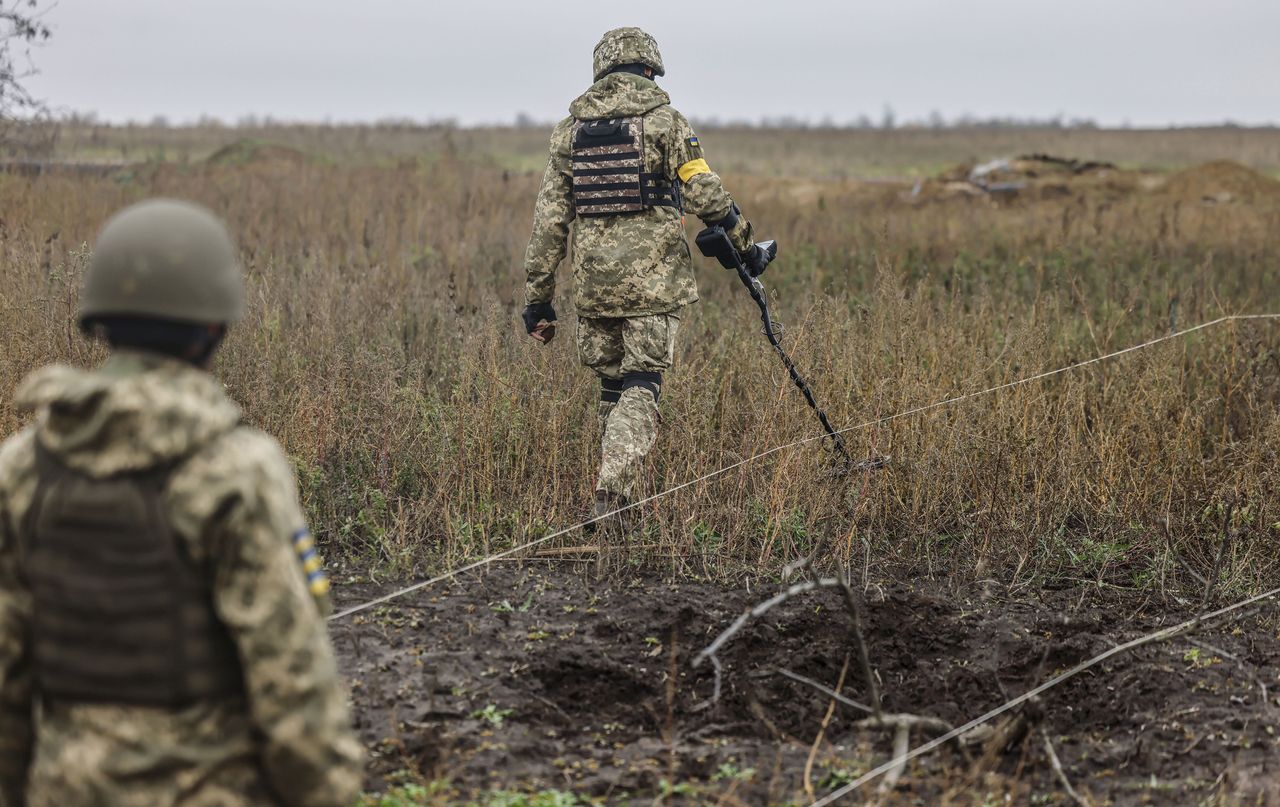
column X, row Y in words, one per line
column 629, row 354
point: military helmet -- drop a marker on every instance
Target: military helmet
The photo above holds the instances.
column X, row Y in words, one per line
column 164, row 259
column 626, row 46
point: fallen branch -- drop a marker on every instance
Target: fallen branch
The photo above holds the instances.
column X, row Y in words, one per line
column 901, row 742
column 760, row 610
column 901, row 724
column 1160, row 635
column 709, row 652
column 557, row 551
column 824, row 690
column 1059, row 772
column 930, row 725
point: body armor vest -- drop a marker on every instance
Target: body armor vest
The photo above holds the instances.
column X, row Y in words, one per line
column 121, row 613
column 609, row 176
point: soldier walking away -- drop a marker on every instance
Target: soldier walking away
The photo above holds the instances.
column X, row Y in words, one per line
column 161, row 632
column 623, row 169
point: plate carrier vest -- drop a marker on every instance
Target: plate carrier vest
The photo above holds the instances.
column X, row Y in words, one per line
column 609, row 176
column 121, row 613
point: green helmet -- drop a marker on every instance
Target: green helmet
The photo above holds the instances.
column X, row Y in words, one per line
column 164, row 259
column 626, row 46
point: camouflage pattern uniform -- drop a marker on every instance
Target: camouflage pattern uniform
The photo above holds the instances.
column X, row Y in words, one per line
column 235, row 508
column 632, row 273
column 161, row 631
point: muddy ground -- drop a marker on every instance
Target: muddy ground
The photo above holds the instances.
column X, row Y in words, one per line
column 542, row 676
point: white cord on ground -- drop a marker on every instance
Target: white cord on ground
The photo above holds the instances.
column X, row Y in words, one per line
column 706, row 477
column 1163, row 633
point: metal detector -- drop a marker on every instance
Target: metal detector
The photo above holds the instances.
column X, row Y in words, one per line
column 713, row 242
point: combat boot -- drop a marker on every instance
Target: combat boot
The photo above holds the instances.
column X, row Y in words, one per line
column 603, row 523
column 612, row 531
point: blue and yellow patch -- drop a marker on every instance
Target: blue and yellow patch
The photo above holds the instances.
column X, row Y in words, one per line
column 312, row 567
column 693, row 140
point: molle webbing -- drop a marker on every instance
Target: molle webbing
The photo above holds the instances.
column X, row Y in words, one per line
column 121, row 614
column 609, row 176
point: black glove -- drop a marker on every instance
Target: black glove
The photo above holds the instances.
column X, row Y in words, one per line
column 757, row 258
column 536, row 313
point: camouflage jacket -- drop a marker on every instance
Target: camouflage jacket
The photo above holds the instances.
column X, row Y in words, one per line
column 634, row 264
column 233, row 503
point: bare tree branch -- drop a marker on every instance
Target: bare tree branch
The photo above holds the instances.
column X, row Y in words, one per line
column 22, row 27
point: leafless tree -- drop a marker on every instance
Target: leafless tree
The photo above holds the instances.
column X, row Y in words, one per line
column 22, row 26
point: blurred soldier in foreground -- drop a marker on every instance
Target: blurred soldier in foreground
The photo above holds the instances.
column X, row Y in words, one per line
column 623, row 169
column 161, row 634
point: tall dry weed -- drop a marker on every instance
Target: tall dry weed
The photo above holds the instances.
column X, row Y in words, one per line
column 383, row 350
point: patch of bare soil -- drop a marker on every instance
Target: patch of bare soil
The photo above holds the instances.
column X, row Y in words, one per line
column 544, row 677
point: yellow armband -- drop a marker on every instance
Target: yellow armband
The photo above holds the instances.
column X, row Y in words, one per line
column 692, row 168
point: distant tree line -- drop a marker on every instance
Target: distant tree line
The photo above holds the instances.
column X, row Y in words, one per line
column 889, row 120
column 524, row 121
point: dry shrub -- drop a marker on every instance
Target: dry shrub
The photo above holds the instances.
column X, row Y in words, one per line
column 383, row 350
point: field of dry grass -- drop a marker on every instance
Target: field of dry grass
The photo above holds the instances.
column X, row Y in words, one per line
column 383, row 350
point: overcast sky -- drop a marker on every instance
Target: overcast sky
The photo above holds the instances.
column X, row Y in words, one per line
column 1146, row 62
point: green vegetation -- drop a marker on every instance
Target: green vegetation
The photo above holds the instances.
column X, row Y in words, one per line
column 492, row 715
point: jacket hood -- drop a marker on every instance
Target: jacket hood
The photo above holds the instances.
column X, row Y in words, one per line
column 618, row 95
column 136, row 411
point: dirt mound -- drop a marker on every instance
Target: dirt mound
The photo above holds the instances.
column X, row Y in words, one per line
column 1221, row 181
column 1028, row 177
column 539, row 679
column 248, row 151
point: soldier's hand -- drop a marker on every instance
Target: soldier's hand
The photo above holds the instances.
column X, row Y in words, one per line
column 545, row 332
column 540, row 321
column 758, row 257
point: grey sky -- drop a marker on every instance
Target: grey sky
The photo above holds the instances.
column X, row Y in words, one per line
column 1149, row 62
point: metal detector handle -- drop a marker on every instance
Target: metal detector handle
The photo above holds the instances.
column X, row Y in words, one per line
column 770, row 251
column 713, row 242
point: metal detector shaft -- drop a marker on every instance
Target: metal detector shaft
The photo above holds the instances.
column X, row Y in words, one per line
column 714, row 242
column 757, row 291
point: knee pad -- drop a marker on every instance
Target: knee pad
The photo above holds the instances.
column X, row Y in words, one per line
column 610, row 390
column 649, row 381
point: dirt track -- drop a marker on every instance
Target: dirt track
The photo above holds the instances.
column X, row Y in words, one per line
column 603, row 700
